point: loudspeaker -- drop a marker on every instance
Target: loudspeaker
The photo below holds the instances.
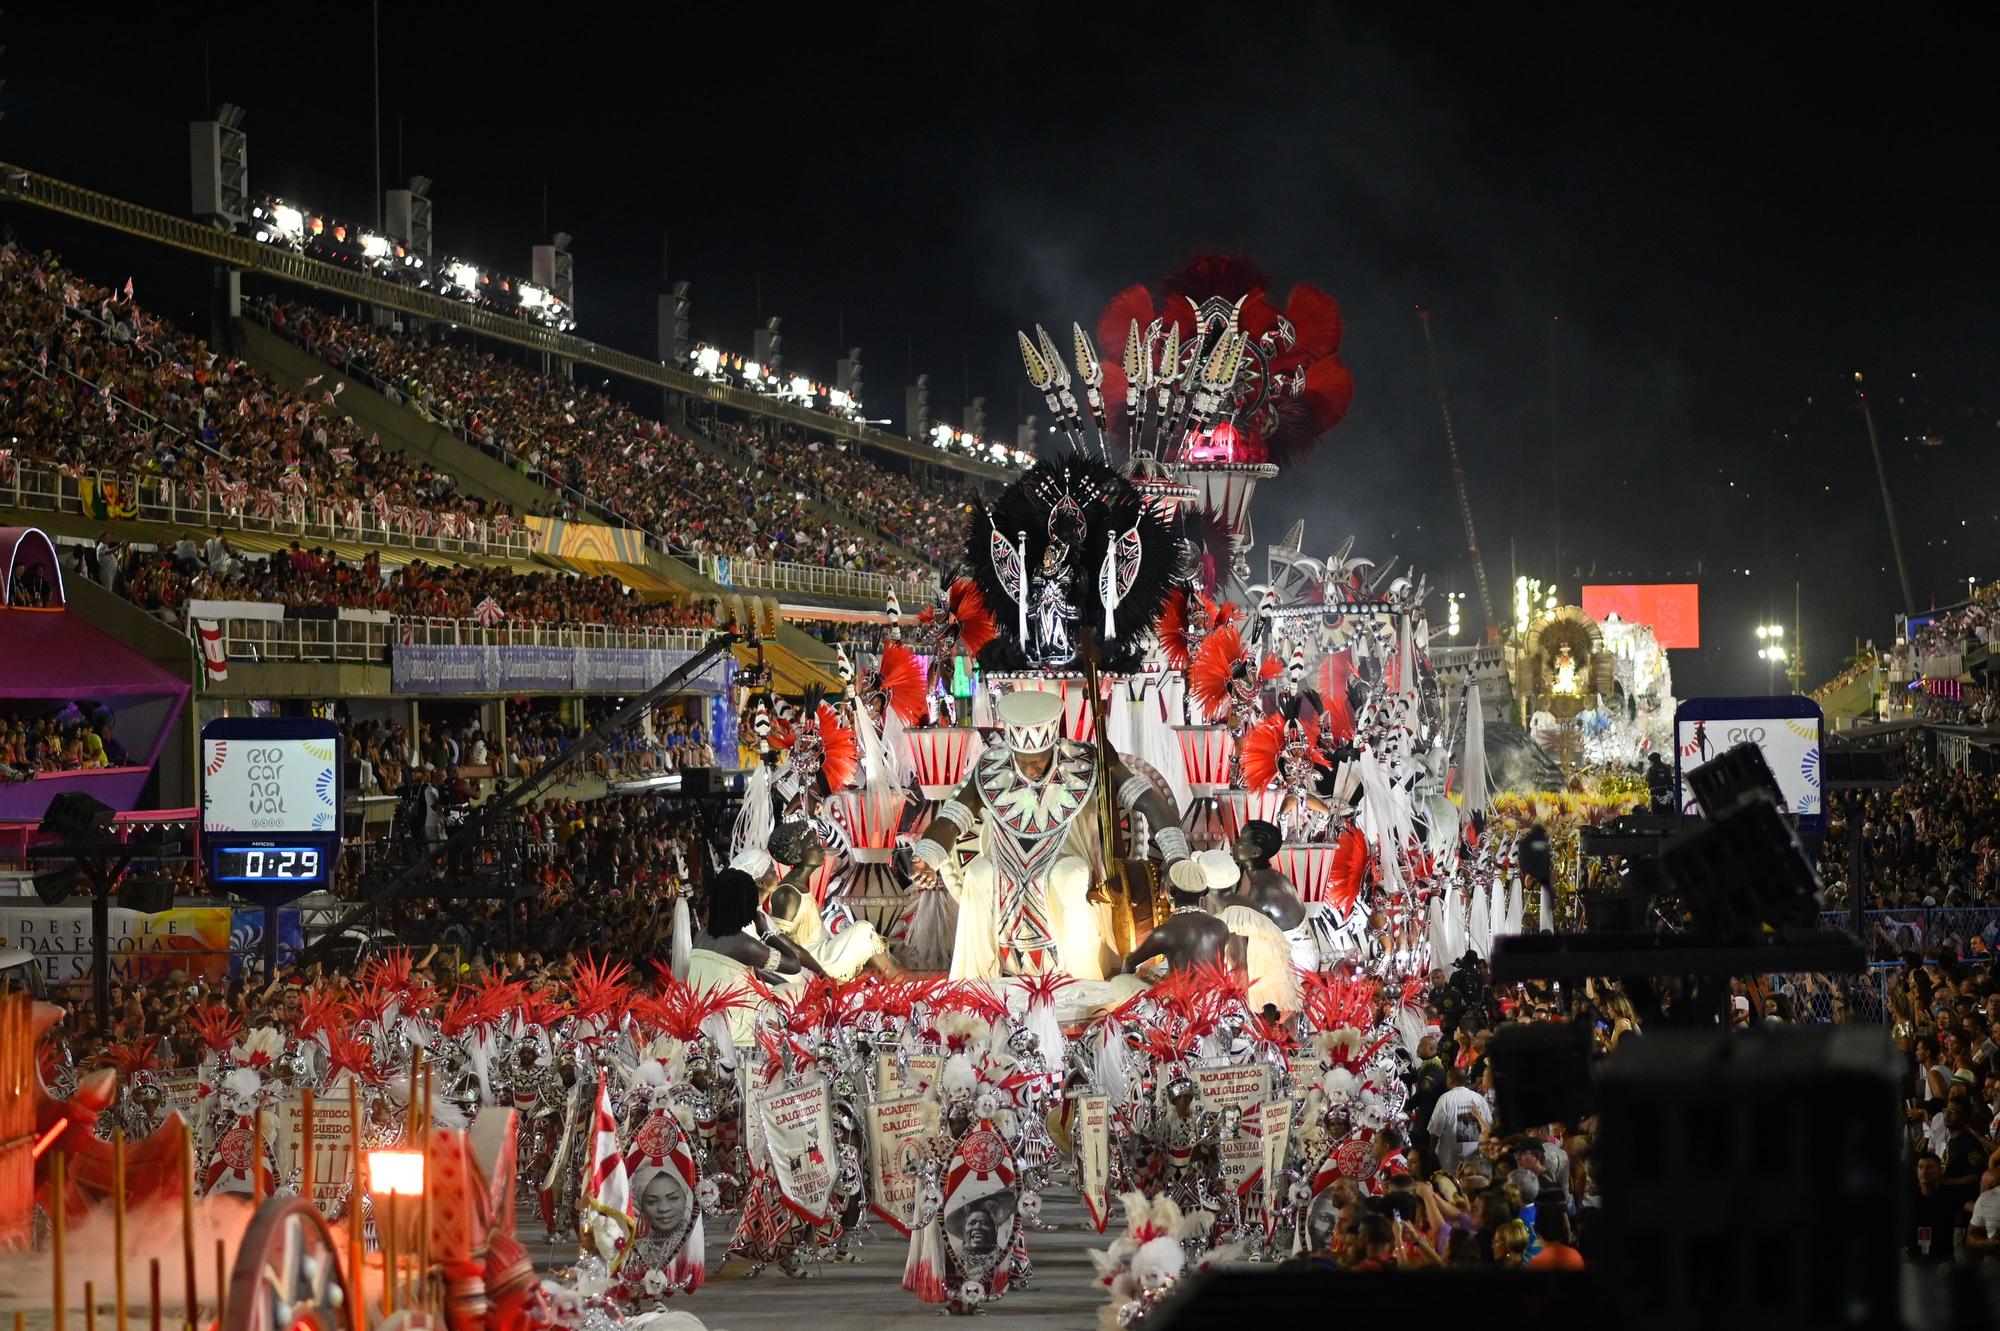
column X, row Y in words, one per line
column 74, row 816
column 1726, row 778
column 1541, row 1074
column 53, row 886
column 1741, row 868
column 147, row 893
column 1753, row 1179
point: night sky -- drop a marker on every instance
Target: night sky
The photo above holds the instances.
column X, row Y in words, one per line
column 1656, row 257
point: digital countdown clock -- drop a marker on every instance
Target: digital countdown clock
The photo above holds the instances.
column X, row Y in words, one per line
column 267, row 864
column 270, row 805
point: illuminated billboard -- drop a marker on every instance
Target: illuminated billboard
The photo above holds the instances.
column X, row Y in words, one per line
column 1671, row 609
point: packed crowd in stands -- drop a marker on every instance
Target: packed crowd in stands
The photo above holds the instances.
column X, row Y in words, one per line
column 89, row 379
column 923, row 515
column 76, row 737
column 637, row 469
column 1961, row 629
column 1931, row 842
column 163, row 582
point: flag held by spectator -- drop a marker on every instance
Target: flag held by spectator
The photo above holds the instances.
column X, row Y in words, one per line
column 214, row 657
column 488, row 613
column 105, row 499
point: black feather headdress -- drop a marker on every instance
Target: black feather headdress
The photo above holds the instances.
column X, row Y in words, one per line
column 1091, row 509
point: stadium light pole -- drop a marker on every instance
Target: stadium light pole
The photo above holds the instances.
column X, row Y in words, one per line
column 1772, row 653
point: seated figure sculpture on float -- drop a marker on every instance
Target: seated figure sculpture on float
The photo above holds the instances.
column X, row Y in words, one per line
column 1027, row 905
column 788, row 904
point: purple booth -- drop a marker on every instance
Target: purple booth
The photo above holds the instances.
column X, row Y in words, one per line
column 50, row 658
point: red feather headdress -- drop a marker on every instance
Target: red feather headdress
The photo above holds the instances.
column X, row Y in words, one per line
column 602, row 992
column 135, row 1057
column 217, row 1027
column 678, row 1008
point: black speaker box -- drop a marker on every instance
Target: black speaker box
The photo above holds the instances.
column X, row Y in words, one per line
column 1753, row 1179
column 148, row 894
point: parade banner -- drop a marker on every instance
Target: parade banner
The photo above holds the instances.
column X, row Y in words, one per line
column 798, row 1132
column 1243, row 1087
column 749, row 1076
column 918, row 1074
column 1093, row 1155
column 193, row 941
column 435, row 669
column 586, row 540
column 333, row 1160
column 182, row 1091
column 1277, row 1127
column 896, row 1132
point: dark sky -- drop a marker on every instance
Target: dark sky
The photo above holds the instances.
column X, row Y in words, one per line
column 1656, row 256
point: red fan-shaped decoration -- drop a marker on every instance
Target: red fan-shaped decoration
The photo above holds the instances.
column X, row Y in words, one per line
column 1172, row 628
column 902, row 683
column 1315, row 318
column 1350, row 870
column 973, row 620
column 1213, row 668
column 1262, row 745
column 1337, row 716
column 840, row 752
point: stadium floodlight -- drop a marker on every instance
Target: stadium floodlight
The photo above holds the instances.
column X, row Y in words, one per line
column 753, row 371
column 802, row 388
column 532, row 296
column 374, row 246
column 708, row 361
column 464, row 275
column 289, row 221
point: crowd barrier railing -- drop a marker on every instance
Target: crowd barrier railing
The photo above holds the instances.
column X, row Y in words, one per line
column 369, row 642
column 202, row 508
column 811, row 580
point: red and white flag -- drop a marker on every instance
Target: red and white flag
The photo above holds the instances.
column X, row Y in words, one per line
column 214, row 656
column 488, row 613
column 607, row 1215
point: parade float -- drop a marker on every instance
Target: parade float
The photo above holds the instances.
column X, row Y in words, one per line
column 1151, row 919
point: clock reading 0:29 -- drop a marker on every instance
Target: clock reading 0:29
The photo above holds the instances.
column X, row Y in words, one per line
column 266, row 864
